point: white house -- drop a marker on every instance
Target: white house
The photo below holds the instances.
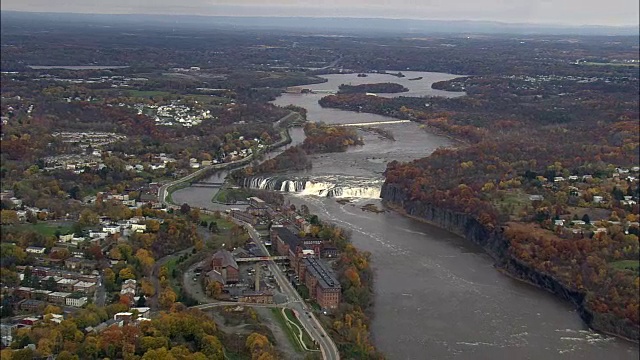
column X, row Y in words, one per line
column 79, row 302
column 66, row 238
column 111, row 229
column 139, row 227
column 36, row 250
column 98, row 234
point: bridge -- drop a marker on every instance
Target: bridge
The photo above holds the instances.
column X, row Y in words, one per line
column 262, row 258
column 324, row 92
column 207, row 184
column 374, row 123
column 236, row 303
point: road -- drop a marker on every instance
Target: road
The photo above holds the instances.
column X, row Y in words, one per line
column 152, row 301
column 296, row 303
column 284, row 135
column 100, row 295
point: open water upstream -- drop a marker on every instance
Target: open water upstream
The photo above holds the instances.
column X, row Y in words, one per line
column 437, row 296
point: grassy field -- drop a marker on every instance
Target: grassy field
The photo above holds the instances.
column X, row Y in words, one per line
column 277, row 313
column 230, row 195
column 305, row 336
column 632, row 265
column 609, row 64
column 511, row 202
column 141, row 93
column 223, row 224
column 46, row 229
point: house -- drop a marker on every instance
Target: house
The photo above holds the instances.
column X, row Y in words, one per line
column 66, row 284
column 33, row 306
column 143, row 312
column 536, row 197
column 139, row 227
column 23, row 292
column 224, row 263
column 40, row 294
column 125, row 317
column 213, row 276
column 111, row 229
column 73, row 263
column 30, row 321
column 66, row 238
column 129, row 287
column 558, row 222
column 58, row 298
column 56, row 318
column 84, row 287
column 76, row 301
column 36, row 250
column 98, row 234
column 597, row 199
column 257, row 205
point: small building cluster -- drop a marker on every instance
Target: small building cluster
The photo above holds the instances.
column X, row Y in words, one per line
column 304, row 259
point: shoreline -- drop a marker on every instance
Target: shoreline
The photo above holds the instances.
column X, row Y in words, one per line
column 400, row 210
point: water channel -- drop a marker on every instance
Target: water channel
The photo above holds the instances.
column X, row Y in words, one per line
column 437, row 296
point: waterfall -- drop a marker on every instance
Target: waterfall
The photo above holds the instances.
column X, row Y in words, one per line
column 338, row 187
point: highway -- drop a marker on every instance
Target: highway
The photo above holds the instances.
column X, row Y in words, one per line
column 294, row 301
column 297, row 304
column 163, row 190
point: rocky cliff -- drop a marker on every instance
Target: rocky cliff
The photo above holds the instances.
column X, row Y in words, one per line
column 496, row 245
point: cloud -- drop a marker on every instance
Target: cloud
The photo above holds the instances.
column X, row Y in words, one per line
column 568, row 12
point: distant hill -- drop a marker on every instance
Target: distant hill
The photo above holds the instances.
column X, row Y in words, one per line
column 360, row 26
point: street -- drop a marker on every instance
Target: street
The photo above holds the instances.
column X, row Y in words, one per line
column 296, row 303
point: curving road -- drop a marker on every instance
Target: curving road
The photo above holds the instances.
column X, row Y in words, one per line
column 285, row 139
column 295, row 302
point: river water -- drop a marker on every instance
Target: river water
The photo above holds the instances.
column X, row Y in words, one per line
column 437, row 296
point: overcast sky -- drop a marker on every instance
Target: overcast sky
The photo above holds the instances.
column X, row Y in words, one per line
column 565, row 12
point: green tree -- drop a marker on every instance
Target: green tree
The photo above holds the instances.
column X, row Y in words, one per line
column 88, row 218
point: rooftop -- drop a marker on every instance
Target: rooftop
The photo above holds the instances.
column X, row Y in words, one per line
column 320, row 271
column 215, row 276
column 287, row 236
column 227, row 258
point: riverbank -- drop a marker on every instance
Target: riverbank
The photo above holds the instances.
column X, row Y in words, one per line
column 496, row 245
column 166, row 191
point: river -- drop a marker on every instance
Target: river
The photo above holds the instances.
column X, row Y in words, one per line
column 437, row 296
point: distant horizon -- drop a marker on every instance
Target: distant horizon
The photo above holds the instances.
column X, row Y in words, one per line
column 456, row 20
column 552, row 13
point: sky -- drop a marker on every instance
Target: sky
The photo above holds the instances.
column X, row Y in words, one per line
column 556, row 12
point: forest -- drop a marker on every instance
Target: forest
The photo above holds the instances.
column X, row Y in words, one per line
column 320, row 138
column 519, row 142
column 371, row 88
